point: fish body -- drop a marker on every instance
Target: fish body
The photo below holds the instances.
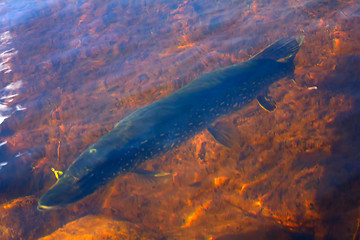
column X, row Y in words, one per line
column 166, row 123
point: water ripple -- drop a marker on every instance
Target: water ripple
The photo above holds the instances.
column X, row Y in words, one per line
column 7, row 95
column 8, row 53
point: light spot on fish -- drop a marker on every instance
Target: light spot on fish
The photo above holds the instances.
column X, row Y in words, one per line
column 92, row 150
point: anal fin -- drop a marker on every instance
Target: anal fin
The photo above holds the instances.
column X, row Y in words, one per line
column 225, row 133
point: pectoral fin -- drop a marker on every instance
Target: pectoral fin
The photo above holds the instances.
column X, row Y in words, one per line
column 266, row 102
column 151, row 177
column 225, row 133
column 151, row 173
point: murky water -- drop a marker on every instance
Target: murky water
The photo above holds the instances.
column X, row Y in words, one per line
column 70, row 70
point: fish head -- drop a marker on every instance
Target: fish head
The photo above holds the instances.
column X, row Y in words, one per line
column 65, row 191
column 91, row 170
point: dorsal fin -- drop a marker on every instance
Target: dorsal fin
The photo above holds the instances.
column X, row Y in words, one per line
column 281, row 50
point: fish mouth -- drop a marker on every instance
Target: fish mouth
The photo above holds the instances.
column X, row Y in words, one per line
column 41, row 207
column 45, row 202
column 62, row 193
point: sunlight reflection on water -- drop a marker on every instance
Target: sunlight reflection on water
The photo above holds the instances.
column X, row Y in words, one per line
column 8, row 53
column 7, row 95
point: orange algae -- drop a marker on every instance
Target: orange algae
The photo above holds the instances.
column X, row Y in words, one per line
column 195, row 215
column 218, row 181
column 91, row 227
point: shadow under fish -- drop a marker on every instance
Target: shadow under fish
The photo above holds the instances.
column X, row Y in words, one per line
column 166, row 123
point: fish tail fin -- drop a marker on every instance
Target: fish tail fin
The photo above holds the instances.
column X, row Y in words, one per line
column 282, row 51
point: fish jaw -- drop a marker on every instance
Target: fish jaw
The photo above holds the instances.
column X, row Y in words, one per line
column 45, row 208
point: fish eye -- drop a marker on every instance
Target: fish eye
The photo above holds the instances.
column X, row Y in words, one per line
column 93, row 150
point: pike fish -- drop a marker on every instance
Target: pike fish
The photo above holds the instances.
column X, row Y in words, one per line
column 168, row 122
